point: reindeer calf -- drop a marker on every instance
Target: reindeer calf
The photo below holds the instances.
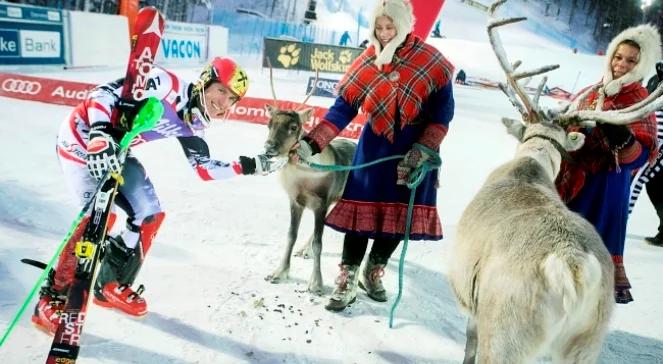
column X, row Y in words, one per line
column 533, row 276
column 306, row 187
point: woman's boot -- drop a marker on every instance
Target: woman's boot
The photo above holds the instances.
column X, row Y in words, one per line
column 345, row 292
column 371, row 281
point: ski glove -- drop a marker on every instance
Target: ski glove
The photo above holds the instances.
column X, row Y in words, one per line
column 261, row 164
column 413, row 159
column 102, row 152
column 618, row 136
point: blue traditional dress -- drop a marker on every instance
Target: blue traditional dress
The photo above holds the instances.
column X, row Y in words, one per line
column 408, row 101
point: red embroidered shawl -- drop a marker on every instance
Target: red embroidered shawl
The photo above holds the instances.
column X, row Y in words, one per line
column 400, row 88
column 596, row 154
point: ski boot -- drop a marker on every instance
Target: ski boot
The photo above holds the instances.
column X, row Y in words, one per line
column 51, row 303
column 118, row 270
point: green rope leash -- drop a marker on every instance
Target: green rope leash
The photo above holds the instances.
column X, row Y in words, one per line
column 415, row 178
column 336, row 167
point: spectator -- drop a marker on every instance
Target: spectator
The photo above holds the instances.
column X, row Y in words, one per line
column 650, row 176
column 345, row 38
column 436, row 30
column 460, row 77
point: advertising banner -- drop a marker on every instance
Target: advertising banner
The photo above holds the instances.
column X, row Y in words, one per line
column 324, row 87
column 43, row 89
column 294, row 55
column 30, row 35
column 248, row 109
column 183, row 43
column 252, row 110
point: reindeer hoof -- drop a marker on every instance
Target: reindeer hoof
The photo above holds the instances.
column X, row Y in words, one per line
column 304, row 253
column 276, row 278
column 316, row 290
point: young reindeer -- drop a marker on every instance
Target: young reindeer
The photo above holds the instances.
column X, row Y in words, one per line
column 306, row 187
column 534, row 277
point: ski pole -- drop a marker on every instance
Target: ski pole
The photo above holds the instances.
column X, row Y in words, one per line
column 145, row 120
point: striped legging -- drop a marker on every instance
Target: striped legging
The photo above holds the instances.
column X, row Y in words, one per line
column 648, row 171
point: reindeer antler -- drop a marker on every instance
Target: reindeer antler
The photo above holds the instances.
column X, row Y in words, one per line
column 617, row 117
column 271, row 80
column 315, row 85
column 514, row 91
column 271, row 84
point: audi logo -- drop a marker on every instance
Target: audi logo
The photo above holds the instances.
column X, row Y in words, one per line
column 21, row 86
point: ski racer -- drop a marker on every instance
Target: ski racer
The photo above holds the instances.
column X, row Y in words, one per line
column 87, row 147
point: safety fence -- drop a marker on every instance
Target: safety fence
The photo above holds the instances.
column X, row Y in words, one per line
column 248, row 109
column 247, row 31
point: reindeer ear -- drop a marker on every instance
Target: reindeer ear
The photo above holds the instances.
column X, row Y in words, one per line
column 270, row 109
column 574, row 141
column 305, row 115
column 514, row 127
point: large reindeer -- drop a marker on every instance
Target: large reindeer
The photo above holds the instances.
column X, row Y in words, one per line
column 534, row 277
column 306, row 187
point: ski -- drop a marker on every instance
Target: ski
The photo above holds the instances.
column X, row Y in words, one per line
column 145, row 40
column 34, row 263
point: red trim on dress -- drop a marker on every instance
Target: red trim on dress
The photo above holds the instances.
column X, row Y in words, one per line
column 385, row 218
column 630, row 153
column 323, row 133
column 433, row 135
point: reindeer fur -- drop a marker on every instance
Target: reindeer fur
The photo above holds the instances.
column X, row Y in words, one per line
column 534, row 277
column 306, row 187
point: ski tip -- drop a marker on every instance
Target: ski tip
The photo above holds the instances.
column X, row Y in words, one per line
column 150, row 20
column 34, row 263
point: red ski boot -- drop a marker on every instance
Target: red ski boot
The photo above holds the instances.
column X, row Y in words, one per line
column 123, row 298
column 47, row 313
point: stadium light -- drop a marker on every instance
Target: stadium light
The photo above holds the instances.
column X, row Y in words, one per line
column 644, row 4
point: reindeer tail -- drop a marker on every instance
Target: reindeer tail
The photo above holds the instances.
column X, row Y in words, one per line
column 572, row 279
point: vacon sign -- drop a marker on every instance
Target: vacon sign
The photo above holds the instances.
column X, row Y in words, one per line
column 183, row 43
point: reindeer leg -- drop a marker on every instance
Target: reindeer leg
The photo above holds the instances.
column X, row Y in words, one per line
column 281, row 273
column 305, row 250
column 471, row 344
column 315, row 283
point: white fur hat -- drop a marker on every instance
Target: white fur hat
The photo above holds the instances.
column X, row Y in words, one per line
column 649, row 40
column 400, row 12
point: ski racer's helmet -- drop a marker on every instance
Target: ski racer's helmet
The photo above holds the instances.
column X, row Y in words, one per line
column 226, row 72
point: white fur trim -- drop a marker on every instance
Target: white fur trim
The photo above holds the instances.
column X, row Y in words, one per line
column 400, row 12
column 649, row 39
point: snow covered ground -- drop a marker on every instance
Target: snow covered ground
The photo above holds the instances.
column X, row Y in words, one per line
column 207, row 297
